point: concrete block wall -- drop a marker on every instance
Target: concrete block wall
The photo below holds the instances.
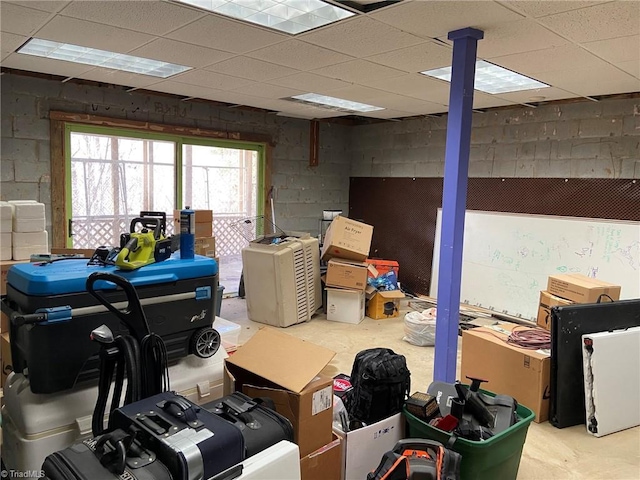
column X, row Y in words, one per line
column 564, row 140
column 301, row 192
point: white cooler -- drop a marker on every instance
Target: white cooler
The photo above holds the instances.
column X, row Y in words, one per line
column 36, row 425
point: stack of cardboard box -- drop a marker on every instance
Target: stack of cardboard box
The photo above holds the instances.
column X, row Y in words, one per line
column 205, row 241
column 524, row 373
column 383, row 303
column 566, row 289
column 346, row 247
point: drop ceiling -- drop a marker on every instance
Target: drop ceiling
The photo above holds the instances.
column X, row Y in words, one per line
column 580, row 48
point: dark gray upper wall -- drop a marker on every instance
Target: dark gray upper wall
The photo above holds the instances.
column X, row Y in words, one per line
column 301, row 192
column 562, row 140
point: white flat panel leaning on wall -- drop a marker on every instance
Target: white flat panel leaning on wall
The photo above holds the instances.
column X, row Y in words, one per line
column 507, row 257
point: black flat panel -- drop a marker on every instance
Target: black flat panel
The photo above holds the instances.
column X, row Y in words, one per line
column 568, row 324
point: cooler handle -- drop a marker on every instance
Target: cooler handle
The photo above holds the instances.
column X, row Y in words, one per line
column 132, row 315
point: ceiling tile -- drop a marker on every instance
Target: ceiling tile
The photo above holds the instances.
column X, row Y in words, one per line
column 251, row 68
column 182, row 89
column 299, row 55
column 392, row 101
column 358, row 71
column 95, row 35
column 10, row 42
column 44, row 65
column 609, row 20
column 309, row 82
column 207, row 79
column 417, row 86
column 117, row 77
column 604, row 79
column 417, row 58
column 437, row 18
column 360, row 37
column 484, row 100
column 542, row 8
column 358, row 93
column 552, row 59
column 21, row 20
column 264, row 90
column 632, row 67
column 297, row 110
column 529, row 96
column 46, row 6
column 622, row 49
column 181, row 53
column 223, row 34
column 386, row 114
column 516, row 37
column 156, row 18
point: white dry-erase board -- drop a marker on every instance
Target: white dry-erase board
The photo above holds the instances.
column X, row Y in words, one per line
column 507, row 257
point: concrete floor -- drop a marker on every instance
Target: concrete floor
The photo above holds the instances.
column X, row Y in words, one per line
column 549, row 453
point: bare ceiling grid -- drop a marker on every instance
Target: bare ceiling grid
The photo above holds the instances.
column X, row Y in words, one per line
column 580, row 48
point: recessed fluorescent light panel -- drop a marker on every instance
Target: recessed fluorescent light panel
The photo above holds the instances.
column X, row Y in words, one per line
column 289, row 16
column 334, row 103
column 100, row 58
column 491, row 78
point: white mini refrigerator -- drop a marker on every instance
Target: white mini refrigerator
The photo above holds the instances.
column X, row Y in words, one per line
column 282, row 280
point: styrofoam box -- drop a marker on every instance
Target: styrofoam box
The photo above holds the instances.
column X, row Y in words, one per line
column 346, row 306
column 6, row 217
column 229, row 333
column 28, row 216
column 5, row 246
column 26, row 244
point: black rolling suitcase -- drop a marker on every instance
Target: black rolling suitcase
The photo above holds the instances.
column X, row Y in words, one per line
column 192, row 442
column 113, row 456
column 261, row 426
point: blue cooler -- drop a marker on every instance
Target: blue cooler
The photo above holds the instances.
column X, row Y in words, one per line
column 178, row 299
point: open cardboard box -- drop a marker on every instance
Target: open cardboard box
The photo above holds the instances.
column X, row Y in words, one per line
column 286, row 369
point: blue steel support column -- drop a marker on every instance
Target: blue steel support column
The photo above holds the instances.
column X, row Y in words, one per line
column 454, row 197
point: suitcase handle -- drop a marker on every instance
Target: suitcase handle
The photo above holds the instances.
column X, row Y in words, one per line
column 114, row 460
column 182, row 410
column 132, row 315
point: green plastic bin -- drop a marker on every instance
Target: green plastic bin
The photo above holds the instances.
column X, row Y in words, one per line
column 495, row 459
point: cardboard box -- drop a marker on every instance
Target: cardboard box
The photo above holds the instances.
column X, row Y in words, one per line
column 202, row 216
column 323, row 464
column 206, row 246
column 348, row 239
column 362, row 449
column 4, row 269
column 509, row 370
column 385, row 304
column 286, row 369
column 203, row 223
column 4, row 322
column 346, row 306
column 5, row 352
column 547, row 301
column 347, row 274
column 383, row 266
column 580, row 288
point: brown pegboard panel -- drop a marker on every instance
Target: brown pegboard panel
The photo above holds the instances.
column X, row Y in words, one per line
column 403, row 210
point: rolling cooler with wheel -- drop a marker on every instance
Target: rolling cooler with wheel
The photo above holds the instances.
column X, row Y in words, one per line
column 52, row 314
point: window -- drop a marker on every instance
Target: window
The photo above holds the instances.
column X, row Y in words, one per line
column 112, row 174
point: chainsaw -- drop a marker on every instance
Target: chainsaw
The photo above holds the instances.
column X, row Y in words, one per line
column 149, row 245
